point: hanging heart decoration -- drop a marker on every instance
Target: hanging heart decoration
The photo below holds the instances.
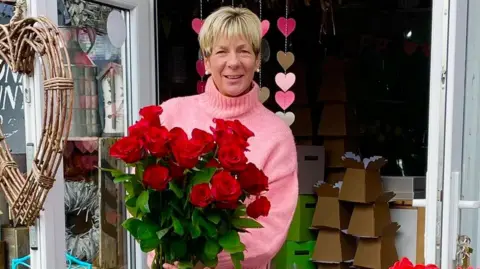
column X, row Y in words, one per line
column 200, row 66
column 263, row 94
column 265, row 27
column 201, row 86
column 197, row 25
column 285, row 60
column 286, row 26
column 284, row 99
column 288, row 117
column 285, row 81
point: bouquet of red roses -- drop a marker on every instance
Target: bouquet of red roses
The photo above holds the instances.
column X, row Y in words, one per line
column 405, row 263
column 187, row 195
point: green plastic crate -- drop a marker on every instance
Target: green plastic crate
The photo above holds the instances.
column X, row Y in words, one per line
column 302, row 220
column 294, row 255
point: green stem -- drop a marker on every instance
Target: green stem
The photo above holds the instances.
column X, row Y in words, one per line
column 158, row 259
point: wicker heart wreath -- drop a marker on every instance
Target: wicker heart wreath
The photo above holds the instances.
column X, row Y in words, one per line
column 21, row 41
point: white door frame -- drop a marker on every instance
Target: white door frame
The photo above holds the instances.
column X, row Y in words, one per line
column 436, row 130
column 141, row 80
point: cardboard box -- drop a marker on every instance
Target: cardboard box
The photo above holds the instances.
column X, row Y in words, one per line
column 334, row 246
column 300, row 227
column 294, row 255
column 369, row 220
column 362, row 182
column 311, row 167
column 335, row 148
column 378, row 253
column 341, row 265
column 330, row 212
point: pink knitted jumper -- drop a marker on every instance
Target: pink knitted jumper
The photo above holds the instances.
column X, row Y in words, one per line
column 271, row 149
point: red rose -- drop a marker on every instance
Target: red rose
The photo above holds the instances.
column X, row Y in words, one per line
column 156, row 177
column 259, row 207
column 213, row 163
column 225, row 188
column 156, row 139
column 232, row 158
column 152, row 114
column 201, row 195
column 186, row 153
column 129, row 149
column 203, row 138
column 139, row 128
column 177, row 134
column 240, row 129
column 404, row 263
column 224, row 138
column 175, row 170
column 253, row 180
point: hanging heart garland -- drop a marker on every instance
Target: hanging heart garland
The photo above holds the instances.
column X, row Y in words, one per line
column 263, row 94
column 200, row 66
column 285, row 98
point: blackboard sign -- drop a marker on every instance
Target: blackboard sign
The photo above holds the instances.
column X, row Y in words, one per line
column 12, row 117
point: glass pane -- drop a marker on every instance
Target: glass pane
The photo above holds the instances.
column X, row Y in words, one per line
column 97, row 42
column 470, row 181
column 12, row 121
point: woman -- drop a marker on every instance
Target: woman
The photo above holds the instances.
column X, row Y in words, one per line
column 230, row 41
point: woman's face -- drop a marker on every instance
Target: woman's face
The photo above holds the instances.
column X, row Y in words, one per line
column 232, row 65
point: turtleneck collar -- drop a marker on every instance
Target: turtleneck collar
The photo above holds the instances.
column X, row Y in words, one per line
column 222, row 106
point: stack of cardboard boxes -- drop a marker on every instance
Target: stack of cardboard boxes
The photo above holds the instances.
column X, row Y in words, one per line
column 353, row 219
column 337, row 124
column 297, row 251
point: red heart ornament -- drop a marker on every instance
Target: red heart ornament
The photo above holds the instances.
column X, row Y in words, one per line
column 197, row 25
column 201, row 86
column 284, row 99
column 200, row 68
column 80, row 146
column 265, row 27
column 286, row 26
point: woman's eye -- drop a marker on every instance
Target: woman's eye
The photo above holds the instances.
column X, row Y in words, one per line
column 245, row 51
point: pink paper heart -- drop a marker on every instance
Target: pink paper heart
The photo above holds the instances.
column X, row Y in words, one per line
column 285, row 81
column 80, row 146
column 201, row 86
column 197, row 25
column 90, row 146
column 284, row 99
column 286, row 26
column 200, row 68
column 265, row 27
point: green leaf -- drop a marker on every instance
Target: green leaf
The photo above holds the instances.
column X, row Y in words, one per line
column 131, row 201
column 231, row 242
column 142, row 202
column 214, row 217
column 149, row 244
column 203, row 176
column 237, row 258
column 208, row 226
column 244, row 223
column 113, row 172
column 240, row 211
column 177, row 226
column 179, row 249
column 146, row 230
column 185, row 265
column 210, row 263
column 132, row 225
column 123, row 178
column 165, row 216
column 162, row 233
column 173, row 187
column 211, row 249
column 195, row 231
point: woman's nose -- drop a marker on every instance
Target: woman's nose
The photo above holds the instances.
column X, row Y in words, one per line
column 232, row 60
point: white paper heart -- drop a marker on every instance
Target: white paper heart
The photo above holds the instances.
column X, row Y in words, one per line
column 263, row 94
column 288, row 117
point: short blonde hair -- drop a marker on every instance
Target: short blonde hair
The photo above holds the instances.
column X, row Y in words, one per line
column 230, row 22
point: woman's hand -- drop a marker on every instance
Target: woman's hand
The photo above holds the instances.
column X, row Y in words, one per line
column 175, row 266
